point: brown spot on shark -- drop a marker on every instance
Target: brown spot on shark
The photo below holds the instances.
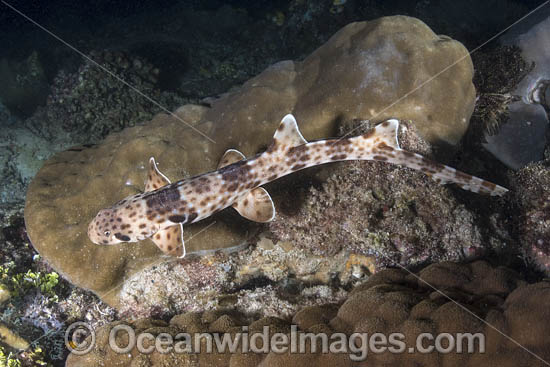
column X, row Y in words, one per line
column 177, row 218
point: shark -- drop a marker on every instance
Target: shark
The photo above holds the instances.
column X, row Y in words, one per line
column 161, row 211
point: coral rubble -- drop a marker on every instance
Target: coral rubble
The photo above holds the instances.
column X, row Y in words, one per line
column 92, row 101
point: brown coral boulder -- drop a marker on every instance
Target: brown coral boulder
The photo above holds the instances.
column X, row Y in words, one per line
column 446, row 298
column 368, row 70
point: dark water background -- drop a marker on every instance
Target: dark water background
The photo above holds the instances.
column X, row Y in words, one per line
column 174, row 35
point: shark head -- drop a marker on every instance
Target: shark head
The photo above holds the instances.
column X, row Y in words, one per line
column 107, row 228
column 143, row 216
column 123, row 222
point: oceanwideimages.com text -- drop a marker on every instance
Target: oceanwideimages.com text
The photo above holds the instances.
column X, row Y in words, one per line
column 356, row 345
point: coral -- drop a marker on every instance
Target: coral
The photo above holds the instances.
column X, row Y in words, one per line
column 31, row 310
column 29, row 358
column 17, row 256
column 12, row 183
column 5, row 294
column 377, row 62
column 82, row 107
column 91, row 102
column 371, row 74
column 22, row 153
column 497, row 72
column 11, row 339
column 442, row 298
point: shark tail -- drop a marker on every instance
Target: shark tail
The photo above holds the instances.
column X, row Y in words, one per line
column 386, row 149
column 380, row 144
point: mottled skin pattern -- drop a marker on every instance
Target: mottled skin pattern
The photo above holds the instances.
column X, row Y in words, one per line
column 190, row 200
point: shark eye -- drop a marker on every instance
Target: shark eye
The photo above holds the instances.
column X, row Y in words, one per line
column 107, row 233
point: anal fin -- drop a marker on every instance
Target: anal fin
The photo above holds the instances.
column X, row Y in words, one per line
column 256, row 205
column 170, row 241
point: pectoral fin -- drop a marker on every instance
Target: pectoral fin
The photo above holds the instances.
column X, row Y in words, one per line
column 229, row 157
column 155, row 178
column 170, row 241
column 256, row 206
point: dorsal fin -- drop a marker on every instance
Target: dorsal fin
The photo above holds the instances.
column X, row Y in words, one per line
column 229, row 157
column 257, row 206
column 386, row 132
column 155, row 178
column 170, row 241
column 288, row 134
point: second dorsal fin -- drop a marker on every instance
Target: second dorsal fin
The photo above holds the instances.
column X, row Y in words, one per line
column 386, row 132
column 288, row 135
column 229, row 157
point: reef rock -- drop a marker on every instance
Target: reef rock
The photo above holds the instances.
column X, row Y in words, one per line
column 90, row 103
column 442, row 298
column 368, row 70
column 532, row 212
column 269, row 279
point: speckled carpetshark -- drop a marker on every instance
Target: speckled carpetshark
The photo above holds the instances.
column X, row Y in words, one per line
column 161, row 211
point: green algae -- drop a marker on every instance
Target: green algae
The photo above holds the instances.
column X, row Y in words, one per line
column 20, row 283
